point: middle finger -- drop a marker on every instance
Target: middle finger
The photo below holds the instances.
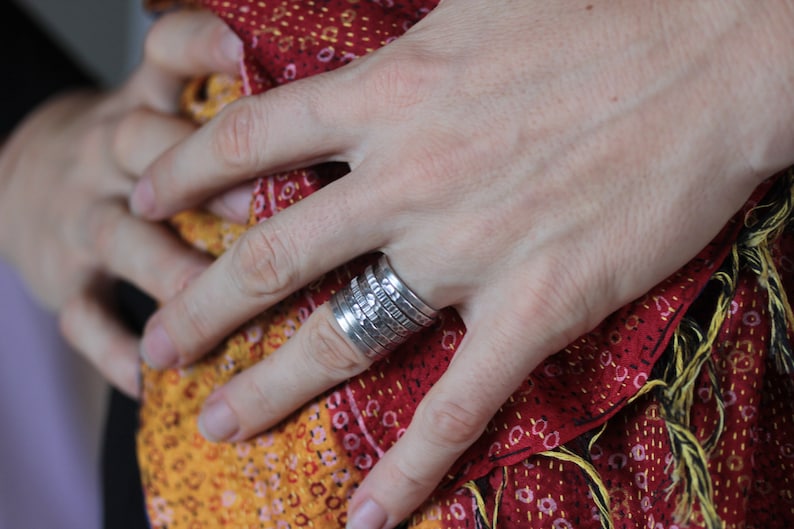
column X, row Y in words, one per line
column 269, row 262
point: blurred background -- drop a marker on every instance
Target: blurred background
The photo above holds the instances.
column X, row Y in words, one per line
column 104, row 36
column 52, row 404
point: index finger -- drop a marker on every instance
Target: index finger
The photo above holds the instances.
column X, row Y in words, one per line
column 179, row 46
column 288, row 127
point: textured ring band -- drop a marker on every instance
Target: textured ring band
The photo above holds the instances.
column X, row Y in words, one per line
column 349, row 324
column 396, row 296
column 404, row 326
column 372, row 324
column 378, row 312
column 409, row 295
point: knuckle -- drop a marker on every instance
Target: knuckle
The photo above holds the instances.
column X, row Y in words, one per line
column 397, row 83
column 264, row 264
column 94, row 143
column 190, row 331
column 327, row 349
column 104, row 225
column 239, row 134
column 249, row 390
column 181, row 279
column 124, row 137
column 409, row 476
column 451, row 425
column 562, row 297
column 393, row 81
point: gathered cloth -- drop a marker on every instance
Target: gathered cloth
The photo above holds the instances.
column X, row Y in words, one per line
column 676, row 411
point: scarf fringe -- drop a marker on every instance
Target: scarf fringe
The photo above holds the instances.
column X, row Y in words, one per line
column 482, row 509
column 688, row 354
column 765, row 224
column 598, row 489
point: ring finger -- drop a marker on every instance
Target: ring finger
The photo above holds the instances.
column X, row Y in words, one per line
column 130, row 248
column 370, row 317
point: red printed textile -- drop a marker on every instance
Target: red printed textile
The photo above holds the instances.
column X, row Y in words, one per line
column 282, row 479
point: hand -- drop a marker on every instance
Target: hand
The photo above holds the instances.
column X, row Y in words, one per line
column 67, row 172
column 534, row 165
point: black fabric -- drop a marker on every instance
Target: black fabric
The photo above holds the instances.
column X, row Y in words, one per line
column 33, row 67
column 121, row 483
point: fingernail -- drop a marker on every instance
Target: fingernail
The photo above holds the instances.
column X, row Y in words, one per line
column 142, row 199
column 369, row 515
column 217, row 421
column 231, row 46
column 157, row 349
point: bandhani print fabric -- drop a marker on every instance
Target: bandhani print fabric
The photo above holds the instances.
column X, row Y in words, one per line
column 677, row 411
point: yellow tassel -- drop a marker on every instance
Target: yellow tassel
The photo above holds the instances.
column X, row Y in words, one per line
column 472, row 487
column 598, row 489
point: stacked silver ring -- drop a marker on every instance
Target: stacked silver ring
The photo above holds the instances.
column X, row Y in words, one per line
column 378, row 312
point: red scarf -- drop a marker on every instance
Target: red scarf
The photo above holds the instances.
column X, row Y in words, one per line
column 721, row 447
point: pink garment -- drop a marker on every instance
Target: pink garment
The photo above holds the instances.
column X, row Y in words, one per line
column 51, row 407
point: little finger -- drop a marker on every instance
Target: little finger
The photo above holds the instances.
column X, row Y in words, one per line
column 339, row 340
column 448, row 420
column 91, row 328
column 319, row 356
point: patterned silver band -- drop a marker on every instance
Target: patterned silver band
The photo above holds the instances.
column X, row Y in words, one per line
column 378, row 312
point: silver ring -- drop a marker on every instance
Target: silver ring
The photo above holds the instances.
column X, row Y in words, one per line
column 378, row 312
column 403, row 325
column 349, row 324
column 401, row 295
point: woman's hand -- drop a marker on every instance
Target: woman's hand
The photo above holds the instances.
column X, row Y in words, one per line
column 65, row 176
column 535, row 165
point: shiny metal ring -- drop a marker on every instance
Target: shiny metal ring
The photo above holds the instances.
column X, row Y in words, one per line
column 378, row 312
column 347, row 321
column 369, row 319
column 405, row 292
column 402, row 324
column 396, row 290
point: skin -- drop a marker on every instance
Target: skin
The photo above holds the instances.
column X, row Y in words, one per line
column 66, row 173
column 574, row 153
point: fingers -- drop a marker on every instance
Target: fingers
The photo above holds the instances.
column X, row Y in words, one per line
column 147, row 255
column 484, row 372
column 180, row 45
column 143, row 135
column 233, row 205
column 446, row 423
column 318, row 357
column 91, row 328
column 291, row 126
column 186, row 43
column 268, row 263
